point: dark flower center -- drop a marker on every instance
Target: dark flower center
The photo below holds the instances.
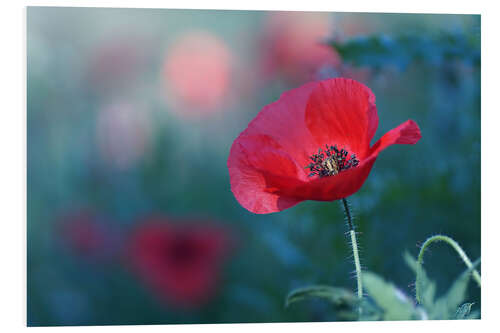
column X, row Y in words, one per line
column 183, row 251
column 331, row 161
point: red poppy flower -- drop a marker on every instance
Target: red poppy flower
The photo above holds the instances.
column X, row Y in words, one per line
column 311, row 144
column 180, row 262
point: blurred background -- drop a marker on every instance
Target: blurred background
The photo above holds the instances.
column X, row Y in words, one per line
column 131, row 115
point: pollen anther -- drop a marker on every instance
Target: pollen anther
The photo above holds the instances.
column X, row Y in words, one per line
column 331, row 161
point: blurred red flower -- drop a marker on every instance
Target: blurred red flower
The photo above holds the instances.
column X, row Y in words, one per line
column 181, row 262
column 275, row 163
column 197, row 72
column 292, row 45
column 89, row 236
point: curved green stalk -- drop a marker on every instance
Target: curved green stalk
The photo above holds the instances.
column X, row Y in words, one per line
column 456, row 247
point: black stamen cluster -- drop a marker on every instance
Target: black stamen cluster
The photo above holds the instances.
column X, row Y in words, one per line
column 331, row 161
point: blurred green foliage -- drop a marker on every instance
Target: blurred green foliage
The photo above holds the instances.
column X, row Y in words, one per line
column 384, row 301
column 378, row 51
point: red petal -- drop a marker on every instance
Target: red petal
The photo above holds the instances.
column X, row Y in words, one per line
column 283, row 120
column 258, row 169
column 334, row 187
column 266, row 162
column 406, row 133
column 350, row 181
column 271, row 153
column 342, row 112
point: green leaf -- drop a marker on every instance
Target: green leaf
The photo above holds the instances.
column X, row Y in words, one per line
column 427, row 287
column 370, row 311
column 474, row 315
column 339, row 297
column 463, row 311
column 447, row 304
column 395, row 304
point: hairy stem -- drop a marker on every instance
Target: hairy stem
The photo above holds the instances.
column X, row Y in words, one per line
column 354, row 244
column 456, row 247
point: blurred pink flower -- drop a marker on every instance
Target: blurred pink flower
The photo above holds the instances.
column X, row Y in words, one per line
column 179, row 260
column 123, row 134
column 197, row 73
column 292, row 45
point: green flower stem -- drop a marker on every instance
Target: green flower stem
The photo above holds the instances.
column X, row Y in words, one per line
column 356, row 263
column 354, row 244
column 456, row 247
